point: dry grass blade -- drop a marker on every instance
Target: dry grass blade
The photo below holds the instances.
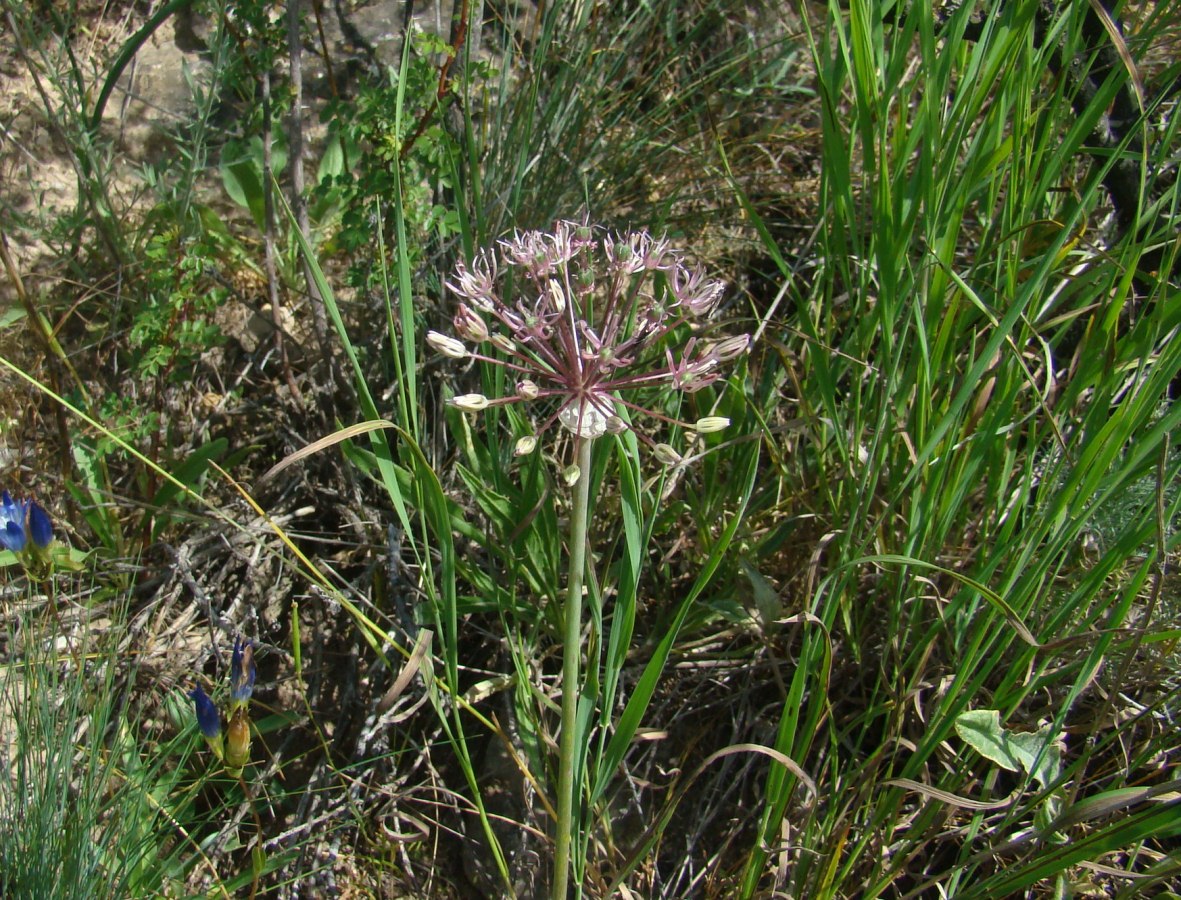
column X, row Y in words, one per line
column 413, row 664
column 950, row 798
column 1121, row 49
column 330, row 440
column 654, row 831
column 782, row 758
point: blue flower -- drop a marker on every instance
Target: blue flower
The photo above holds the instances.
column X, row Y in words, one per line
column 242, row 672
column 20, row 520
column 13, row 514
column 40, row 525
column 208, row 719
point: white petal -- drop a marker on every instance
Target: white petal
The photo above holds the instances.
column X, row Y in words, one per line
column 583, row 419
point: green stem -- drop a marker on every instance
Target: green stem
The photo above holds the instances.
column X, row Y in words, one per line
column 258, row 855
column 571, row 656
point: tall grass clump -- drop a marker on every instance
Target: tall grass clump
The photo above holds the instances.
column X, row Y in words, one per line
column 1000, row 381
column 614, row 110
column 941, row 430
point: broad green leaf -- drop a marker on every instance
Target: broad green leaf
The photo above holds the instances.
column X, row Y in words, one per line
column 981, row 730
column 1019, row 751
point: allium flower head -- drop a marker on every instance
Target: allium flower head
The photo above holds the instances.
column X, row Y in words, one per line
column 584, row 329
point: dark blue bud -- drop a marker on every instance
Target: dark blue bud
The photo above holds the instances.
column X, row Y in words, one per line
column 242, row 672
column 40, row 526
column 208, row 718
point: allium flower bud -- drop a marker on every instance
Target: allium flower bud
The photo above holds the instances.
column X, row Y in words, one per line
column 557, row 296
column 525, row 445
column 571, row 474
column 527, row 390
column 470, row 402
column 728, row 349
column 446, row 345
column 502, row 343
column 666, row 455
column 710, row 424
column 616, row 425
column 469, row 325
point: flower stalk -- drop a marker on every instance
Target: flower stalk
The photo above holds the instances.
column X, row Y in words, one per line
column 568, row 793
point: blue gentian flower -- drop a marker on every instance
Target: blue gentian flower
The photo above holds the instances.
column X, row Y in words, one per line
column 20, row 520
column 242, row 672
column 13, row 514
column 208, row 719
column 40, row 526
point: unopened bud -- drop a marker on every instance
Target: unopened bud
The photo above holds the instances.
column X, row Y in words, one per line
column 469, row 325
column 666, row 455
column 710, row 424
column 527, row 390
column 446, row 345
column 502, row 343
column 470, row 402
column 616, row 425
column 557, row 296
column 525, row 445
column 729, row 348
column 209, row 721
column 237, row 742
column 571, row 474
column 583, row 419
